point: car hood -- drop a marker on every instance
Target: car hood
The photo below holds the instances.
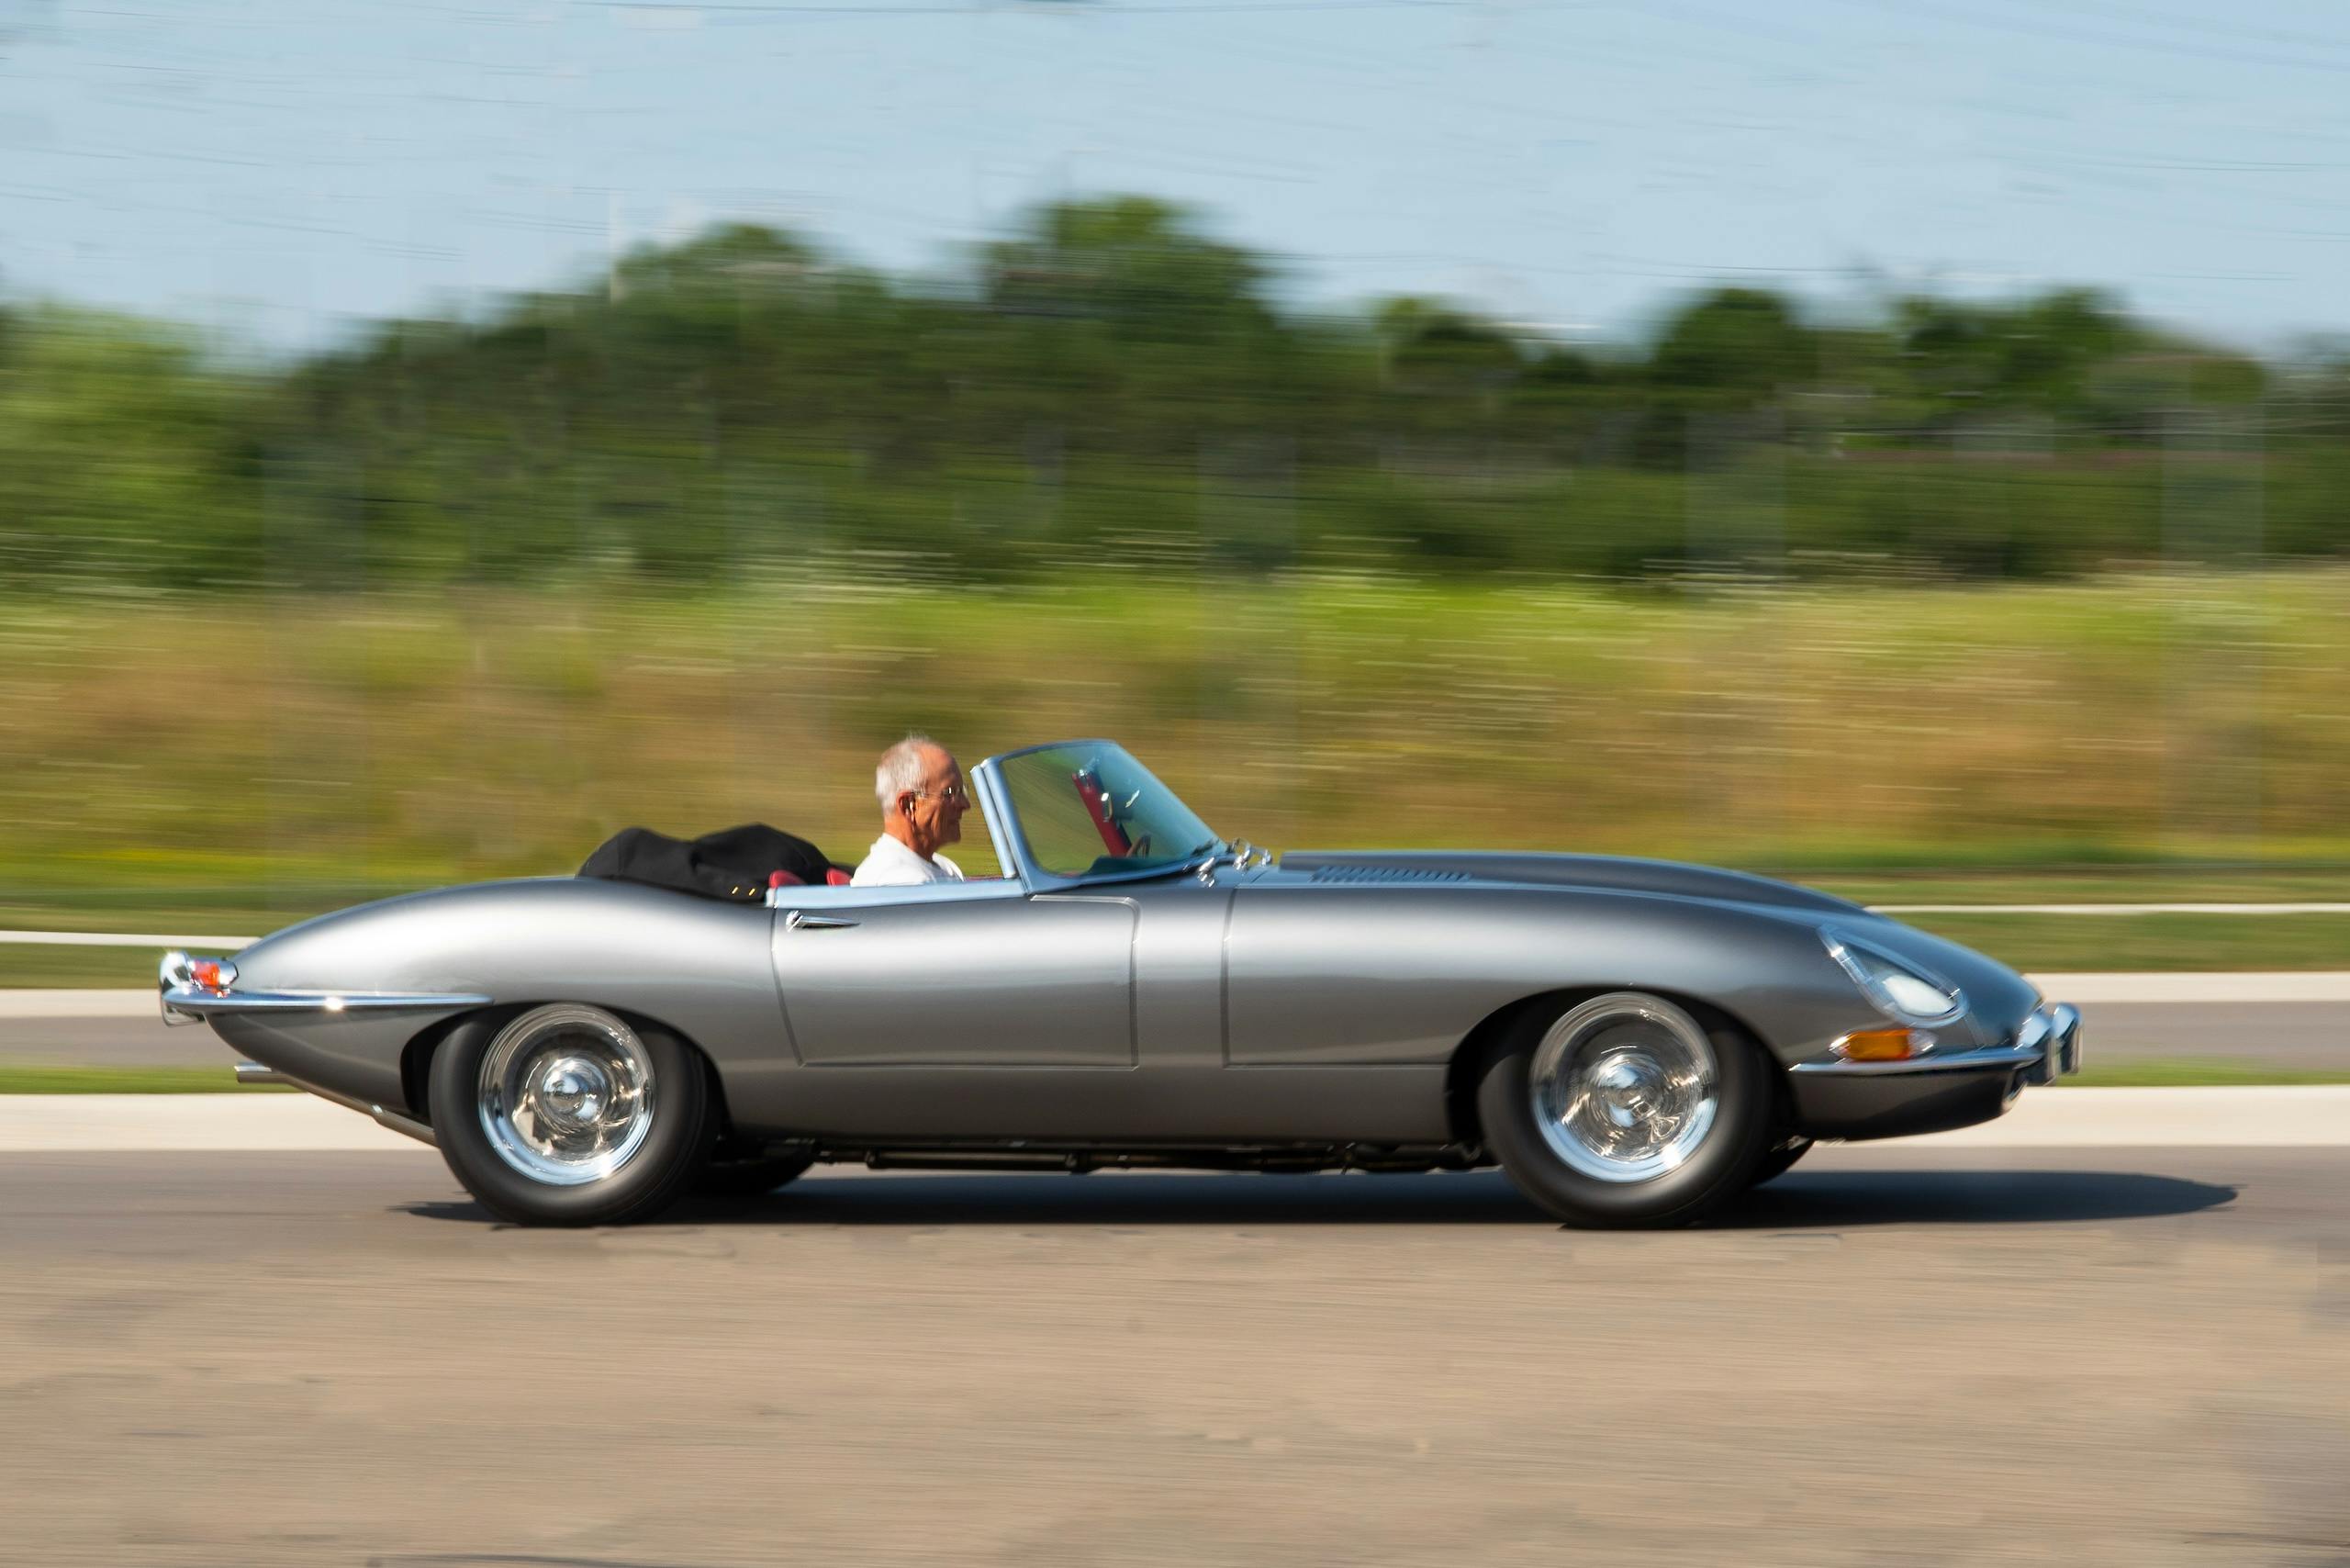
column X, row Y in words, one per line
column 1598, row 873
column 2000, row 996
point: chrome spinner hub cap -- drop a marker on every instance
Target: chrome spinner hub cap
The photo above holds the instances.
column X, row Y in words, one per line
column 1626, row 1086
column 567, row 1094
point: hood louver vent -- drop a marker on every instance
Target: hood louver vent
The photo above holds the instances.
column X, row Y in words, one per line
column 1384, row 873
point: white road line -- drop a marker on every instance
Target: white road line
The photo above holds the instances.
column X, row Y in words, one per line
column 123, row 1004
column 2112, row 907
column 122, row 939
column 2317, row 1116
column 2244, row 986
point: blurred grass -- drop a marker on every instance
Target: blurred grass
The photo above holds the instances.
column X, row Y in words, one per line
column 2152, row 882
column 230, row 766
column 2061, row 943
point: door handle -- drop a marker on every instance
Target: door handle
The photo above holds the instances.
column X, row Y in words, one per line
column 801, row 919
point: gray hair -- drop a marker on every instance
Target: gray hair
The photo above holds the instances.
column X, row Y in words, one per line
column 902, row 769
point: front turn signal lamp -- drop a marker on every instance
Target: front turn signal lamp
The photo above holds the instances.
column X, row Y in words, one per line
column 1883, row 1044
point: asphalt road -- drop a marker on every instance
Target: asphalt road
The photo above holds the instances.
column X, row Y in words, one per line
column 2084, row 1357
column 2308, row 1035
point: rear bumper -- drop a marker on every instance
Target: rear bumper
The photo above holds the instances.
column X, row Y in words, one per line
column 340, row 1046
column 1836, row 1099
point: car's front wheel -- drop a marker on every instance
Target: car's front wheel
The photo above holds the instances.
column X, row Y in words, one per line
column 569, row 1115
column 1626, row 1110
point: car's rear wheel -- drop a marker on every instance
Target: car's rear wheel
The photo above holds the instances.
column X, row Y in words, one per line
column 569, row 1115
column 1626, row 1110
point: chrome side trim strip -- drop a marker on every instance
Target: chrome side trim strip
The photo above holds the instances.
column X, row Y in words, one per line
column 196, row 1002
column 253, row 1074
column 1991, row 1057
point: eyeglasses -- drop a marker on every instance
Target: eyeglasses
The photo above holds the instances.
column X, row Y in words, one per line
column 955, row 792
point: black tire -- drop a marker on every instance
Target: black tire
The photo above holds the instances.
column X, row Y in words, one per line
column 751, row 1178
column 1779, row 1159
column 1717, row 1163
column 660, row 1168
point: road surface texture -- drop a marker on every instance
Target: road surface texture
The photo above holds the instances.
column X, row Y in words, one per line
column 2077, row 1357
column 2289, row 1034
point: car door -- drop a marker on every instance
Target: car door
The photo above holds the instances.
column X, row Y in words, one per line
column 1321, row 975
column 946, row 974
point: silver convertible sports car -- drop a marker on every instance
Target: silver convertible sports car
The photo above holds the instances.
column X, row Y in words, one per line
column 1632, row 1041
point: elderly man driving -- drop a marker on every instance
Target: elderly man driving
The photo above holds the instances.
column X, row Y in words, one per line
column 923, row 802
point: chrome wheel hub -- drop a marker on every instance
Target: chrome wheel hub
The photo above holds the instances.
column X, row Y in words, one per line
column 567, row 1094
column 1626, row 1088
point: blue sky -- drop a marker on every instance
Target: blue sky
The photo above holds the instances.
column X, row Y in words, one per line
column 280, row 170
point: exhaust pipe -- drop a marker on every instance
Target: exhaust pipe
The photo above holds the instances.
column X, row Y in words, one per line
column 408, row 1127
column 254, row 1073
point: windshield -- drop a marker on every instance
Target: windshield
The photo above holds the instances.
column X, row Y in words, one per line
column 1088, row 808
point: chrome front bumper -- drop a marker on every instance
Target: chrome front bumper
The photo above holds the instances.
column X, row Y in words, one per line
column 1838, row 1099
column 2054, row 1031
column 2046, row 1046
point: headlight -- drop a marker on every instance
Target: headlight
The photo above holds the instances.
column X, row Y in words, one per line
column 1897, row 989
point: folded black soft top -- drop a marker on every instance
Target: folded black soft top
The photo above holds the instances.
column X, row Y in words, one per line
column 735, row 863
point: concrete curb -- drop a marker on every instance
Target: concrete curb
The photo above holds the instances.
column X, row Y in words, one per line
column 2268, row 1116
column 93, row 1124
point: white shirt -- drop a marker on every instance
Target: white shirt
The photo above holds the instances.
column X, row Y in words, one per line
column 890, row 863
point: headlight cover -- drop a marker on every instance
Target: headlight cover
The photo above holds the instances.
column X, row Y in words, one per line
column 1897, row 989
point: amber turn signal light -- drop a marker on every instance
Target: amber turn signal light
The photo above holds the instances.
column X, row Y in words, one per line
column 1881, row 1045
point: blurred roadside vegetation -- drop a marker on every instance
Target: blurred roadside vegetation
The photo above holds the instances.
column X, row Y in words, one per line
column 217, row 764
column 1918, row 598
column 1117, row 389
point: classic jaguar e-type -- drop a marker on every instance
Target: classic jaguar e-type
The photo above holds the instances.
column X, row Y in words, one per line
column 1632, row 1041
